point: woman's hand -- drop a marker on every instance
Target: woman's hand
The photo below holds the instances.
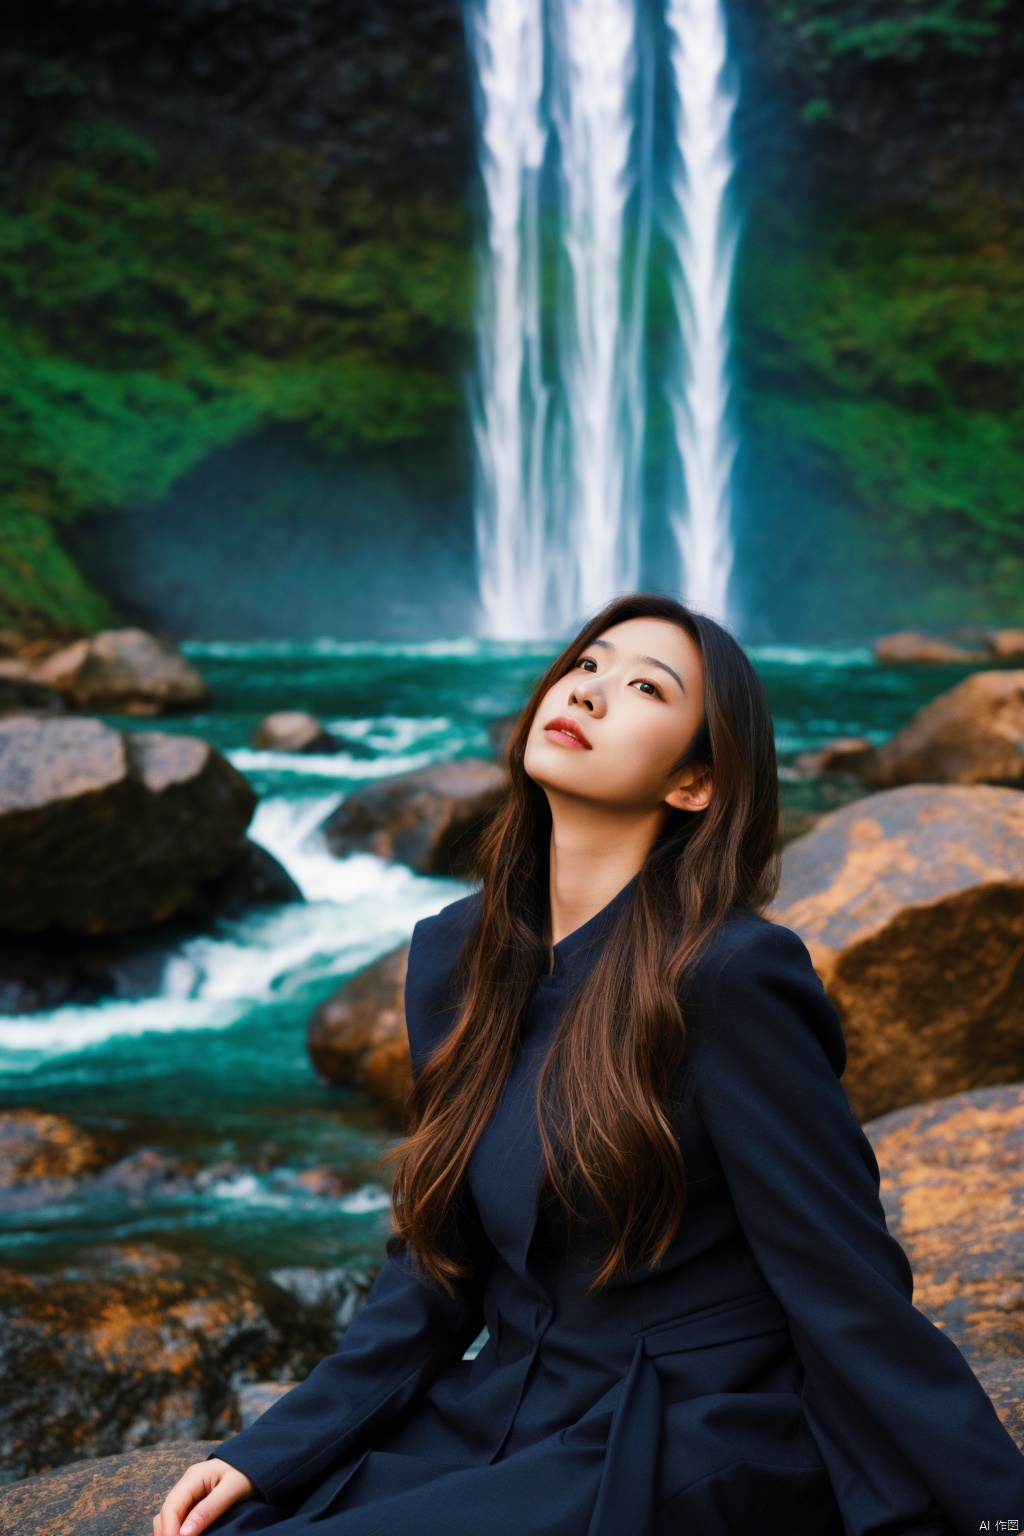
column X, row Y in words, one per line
column 199, row 1496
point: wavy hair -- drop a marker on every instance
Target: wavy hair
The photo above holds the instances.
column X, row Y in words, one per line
column 604, row 1098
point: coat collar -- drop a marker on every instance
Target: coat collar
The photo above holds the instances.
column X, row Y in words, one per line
column 572, row 953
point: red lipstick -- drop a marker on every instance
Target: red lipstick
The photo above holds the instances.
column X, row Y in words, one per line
column 566, row 731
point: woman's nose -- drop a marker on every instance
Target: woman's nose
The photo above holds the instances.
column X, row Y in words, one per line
column 587, row 695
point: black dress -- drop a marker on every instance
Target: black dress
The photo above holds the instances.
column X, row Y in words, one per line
column 770, row 1376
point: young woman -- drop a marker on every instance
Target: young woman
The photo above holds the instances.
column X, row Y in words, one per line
column 630, row 1157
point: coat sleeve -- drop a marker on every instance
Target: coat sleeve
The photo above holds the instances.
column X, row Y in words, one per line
column 909, row 1437
column 406, row 1332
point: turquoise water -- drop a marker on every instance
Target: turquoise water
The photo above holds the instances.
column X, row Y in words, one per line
column 212, row 1069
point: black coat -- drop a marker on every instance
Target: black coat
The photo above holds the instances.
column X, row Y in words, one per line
column 771, row 1375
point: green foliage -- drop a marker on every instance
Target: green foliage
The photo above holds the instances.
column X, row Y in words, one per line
column 891, row 350
column 892, row 30
column 157, row 309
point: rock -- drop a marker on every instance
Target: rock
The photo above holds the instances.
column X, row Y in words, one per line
column 108, row 1496
column 256, row 879
column 137, row 1345
column 291, row 730
column 427, row 818
column 102, row 832
column 52, row 969
column 953, row 1190
column 147, row 1174
column 332, row 1296
column 797, row 821
column 256, row 1397
column 974, row 734
column 43, row 1157
column 20, row 695
column 1006, row 645
column 358, row 1037
column 912, row 905
column 122, row 671
column 499, row 729
column 908, row 648
column 844, row 754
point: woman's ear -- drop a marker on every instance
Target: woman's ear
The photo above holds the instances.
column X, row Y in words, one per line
column 694, row 792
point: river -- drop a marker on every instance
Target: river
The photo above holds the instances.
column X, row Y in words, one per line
column 211, row 1066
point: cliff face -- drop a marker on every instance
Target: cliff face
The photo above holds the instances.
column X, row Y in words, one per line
column 220, row 215
column 377, row 92
column 231, row 217
column 879, row 312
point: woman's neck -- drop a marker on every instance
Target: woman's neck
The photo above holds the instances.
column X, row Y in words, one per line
column 593, row 854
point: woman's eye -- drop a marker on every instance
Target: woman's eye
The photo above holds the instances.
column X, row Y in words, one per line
column 583, row 661
column 643, row 682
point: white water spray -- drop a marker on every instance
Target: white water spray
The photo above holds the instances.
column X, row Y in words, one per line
column 595, row 111
column 559, row 499
column 705, row 245
column 506, row 44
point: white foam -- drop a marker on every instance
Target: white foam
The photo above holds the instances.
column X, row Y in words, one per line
column 249, row 1189
column 392, row 733
column 812, row 655
column 252, row 650
column 44, row 1035
column 327, row 765
column 355, row 909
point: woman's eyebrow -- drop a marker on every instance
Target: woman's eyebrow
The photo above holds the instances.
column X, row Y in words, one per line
column 651, row 661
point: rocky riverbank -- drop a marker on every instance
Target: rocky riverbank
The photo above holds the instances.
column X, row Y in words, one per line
column 257, row 1202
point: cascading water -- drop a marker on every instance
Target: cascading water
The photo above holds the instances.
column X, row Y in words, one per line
column 506, row 45
column 559, row 500
column 705, row 245
column 595, row 110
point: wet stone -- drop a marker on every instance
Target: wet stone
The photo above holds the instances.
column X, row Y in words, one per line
column 109, row 1496
column 953, row 1190
column 428, row 818
column 911, row 903
column 358, row 1038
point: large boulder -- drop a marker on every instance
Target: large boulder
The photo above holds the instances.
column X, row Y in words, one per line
column 43, row 1157
column 135, row 1345
column 953, row 1190
column 20, row 695
column 54, row 968
column 909, row 648
column 292, row 730
column 105, row 1496
column 358, row 1037
column 974, row 734
column 256, row 879
column 101, row 831
column 121, row 671
column 1006, row 645
column 843, row 754
column 427, row 818
column 912, row 905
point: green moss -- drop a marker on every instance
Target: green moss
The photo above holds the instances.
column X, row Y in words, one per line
column 891, row 351
column 903, row 31
column 159, row 307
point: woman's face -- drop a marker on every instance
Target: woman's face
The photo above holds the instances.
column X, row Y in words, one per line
column 630, row 705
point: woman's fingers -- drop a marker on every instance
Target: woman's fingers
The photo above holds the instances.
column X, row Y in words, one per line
column 206, row 1511
column 201, row 1494
column 187, row 1491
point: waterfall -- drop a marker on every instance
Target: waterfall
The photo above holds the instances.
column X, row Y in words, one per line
column 595, row 68
column 506, row 46
column 559, row 503
column 705, row 247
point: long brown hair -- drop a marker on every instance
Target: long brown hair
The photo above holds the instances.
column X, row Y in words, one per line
column 603, row 1100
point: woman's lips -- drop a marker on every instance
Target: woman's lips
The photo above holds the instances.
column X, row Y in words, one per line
column 567, row 732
